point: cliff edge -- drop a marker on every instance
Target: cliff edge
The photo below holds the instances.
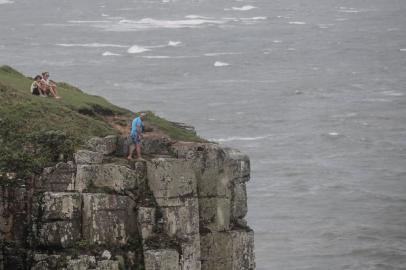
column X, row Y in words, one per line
column 183, row 207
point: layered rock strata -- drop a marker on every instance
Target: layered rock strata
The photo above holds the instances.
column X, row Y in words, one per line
column 181, row 209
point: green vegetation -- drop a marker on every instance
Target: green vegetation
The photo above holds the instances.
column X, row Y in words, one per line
column 37, row 132
column 176, row 131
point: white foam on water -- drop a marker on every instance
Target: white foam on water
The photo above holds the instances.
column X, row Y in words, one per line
column 156, row 57
column 221, row 53
column 376, row 100
column 231, row 19
column 137, row 49
column 108, row 53
column 348, row 10
column 104, row 15
column 193, row 16
column 341, row 19
column 91, row 45
column 174, row 43
column 283, row 17
column 258, row 18
column 149, row 23
column 243, row 8
column 392, row 93
column 325, row 26
column 237, row 138
column 253, row 20
column 220, row 64
column 402, row 50
column 277, row 41
column 6, row 2
column 86, row 22
column 297, row 23
column 333, row 134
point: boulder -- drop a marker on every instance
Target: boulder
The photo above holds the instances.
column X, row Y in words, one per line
column 106, row 254
column 110, row 177
column 84, row 262
column 123, row 142
column 60, row 220
column 161, row 259
column 237, row 165
column 48, row 262
column 243, row 250
column 106, row 145
column 182, row 221
column 155, row 144
column 215, row 213
column 59, row 178
column 61, row 206
column 239, row 201
column 191, row 258
column 230, row 250
column 59, row 234
column 170, row 178
column 88, row 157
column 107, row 265
column 108, row 219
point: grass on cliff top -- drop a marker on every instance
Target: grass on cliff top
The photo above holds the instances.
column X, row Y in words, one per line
column 36, row 132
column 77, row 114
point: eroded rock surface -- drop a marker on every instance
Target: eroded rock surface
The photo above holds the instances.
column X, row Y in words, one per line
column 183, row 208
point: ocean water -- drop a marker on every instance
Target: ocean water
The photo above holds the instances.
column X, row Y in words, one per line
column 313, row 91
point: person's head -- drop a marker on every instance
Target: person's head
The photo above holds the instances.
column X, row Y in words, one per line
column 142, row 115
column 45, row 74
column 38, row 78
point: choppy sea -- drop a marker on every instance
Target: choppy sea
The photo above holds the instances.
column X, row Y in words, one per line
column 313, row 91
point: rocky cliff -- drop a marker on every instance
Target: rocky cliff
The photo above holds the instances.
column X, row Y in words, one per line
column 182, row 208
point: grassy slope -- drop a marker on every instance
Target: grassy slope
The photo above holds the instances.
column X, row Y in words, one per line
column 78, row 114
column 36, row 132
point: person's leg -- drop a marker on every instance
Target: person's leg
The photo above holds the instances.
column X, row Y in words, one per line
column 42, row 92
column 131, row 148
column 53, row 86
column 138, row 148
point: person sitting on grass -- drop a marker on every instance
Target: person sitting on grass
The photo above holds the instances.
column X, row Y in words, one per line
column 36, row 87
column 48, row 85
column 137, row 128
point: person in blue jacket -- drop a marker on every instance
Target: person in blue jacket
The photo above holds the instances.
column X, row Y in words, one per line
column 137, row 128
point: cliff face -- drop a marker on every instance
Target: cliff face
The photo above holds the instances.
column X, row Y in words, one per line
column 183, row 208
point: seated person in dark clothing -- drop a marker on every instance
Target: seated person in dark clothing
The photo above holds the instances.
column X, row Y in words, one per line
column 36, row 88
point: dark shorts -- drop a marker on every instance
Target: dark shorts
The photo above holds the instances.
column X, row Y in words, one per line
column 35, row 91
column 135, row 140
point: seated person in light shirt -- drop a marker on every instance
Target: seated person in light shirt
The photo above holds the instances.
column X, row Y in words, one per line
column 48, row 85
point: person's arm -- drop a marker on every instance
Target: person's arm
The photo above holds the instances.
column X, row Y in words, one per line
column 139, row 130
